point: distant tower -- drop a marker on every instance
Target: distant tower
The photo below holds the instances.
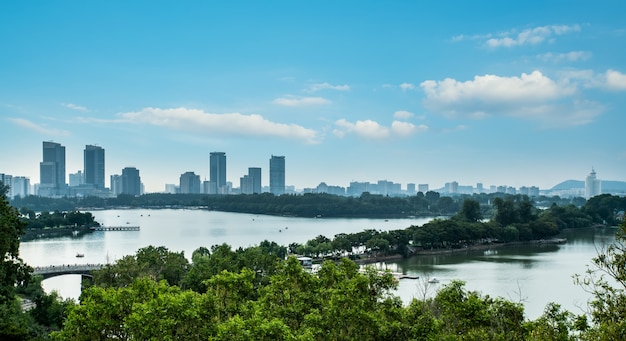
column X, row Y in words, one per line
column 593, row 186
column 217, row 173
column 116, row 184
column 131, row 181
column 52, row 170
column 480, row 188
column 255, row 174
column 277, row 175
column 410, row 189
column 422, row 188
column 94, row 166
column 189, row 183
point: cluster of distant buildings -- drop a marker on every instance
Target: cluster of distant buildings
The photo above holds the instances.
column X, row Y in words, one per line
column 90, row 181
column 248, row 184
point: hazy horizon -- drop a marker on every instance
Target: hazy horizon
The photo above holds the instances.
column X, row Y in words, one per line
column 516, row 94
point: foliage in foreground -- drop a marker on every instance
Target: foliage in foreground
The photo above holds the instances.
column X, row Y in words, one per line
column 339, row 303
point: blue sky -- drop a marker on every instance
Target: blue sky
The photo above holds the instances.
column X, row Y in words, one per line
column 503, row 93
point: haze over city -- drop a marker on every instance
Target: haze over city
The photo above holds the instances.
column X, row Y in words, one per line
column 518, row 94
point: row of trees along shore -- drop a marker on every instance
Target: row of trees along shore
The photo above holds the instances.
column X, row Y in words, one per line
column 602, row 208
column 260, row 293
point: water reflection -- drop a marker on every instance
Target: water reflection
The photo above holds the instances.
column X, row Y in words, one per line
column 534, row 274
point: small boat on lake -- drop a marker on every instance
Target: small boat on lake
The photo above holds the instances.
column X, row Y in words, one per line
column 433, row 280
column 80, row 255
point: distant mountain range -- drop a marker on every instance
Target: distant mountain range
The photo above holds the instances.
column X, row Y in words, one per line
column 608, row 186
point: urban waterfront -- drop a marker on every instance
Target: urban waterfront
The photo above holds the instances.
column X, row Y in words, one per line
column 532, row 274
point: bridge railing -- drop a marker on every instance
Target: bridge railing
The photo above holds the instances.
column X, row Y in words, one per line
column 41, row 270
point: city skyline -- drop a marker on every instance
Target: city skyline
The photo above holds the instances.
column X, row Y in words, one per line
column 189, row 182
column 522, row 94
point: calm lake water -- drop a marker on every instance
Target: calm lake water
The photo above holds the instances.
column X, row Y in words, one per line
column 532, row 274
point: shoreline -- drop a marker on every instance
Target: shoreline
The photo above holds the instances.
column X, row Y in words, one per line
column 472, row 248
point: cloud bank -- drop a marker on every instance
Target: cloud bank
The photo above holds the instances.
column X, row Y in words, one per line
column 198, row 121
column 370, row 129
column 531, row 36
column 531, row 96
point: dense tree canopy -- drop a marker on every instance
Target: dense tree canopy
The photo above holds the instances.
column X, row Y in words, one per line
column 13, row 271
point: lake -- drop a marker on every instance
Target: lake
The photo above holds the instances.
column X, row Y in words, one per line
column 532, row 274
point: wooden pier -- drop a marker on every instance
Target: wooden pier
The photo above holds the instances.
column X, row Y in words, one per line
column 115, row 228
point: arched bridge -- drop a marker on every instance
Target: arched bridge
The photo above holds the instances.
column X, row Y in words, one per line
column 66, row 269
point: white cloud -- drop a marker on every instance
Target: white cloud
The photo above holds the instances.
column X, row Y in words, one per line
column 531, row 36
column 407, row 86
column 370, row 129
column 403, row 114
column 534, row 87
column 615, row 80
column 611, row 79
column 572, row 56
column 406, row 129
column 38, row 128
column 198, row 121
column 324, row 86
column 367, row 129
column 291, row 101
column 75, row 107
column 532, row 96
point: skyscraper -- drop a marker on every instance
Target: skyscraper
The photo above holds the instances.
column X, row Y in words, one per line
column 21, row 186
column 217, row 173
column 277, row 175
column 94, row 166
column 251, row 183
column 189, row 183
column 52, row 170
column 116, row 184
column 131, row 181
column 255, row 174
column 593, row 186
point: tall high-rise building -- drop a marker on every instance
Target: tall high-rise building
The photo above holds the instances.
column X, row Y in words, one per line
column 251, row 183
column 94, row 166
column 21, row 186
column 255, row 174
column 131, row 181
column 593, row 186
column 480, row 188
column 116, row 184
column 217, row 173
column 245, row 184
column 277, row 175
column 52, row 170
column 7, row 180
column 189, row 183
column 422, row 188
column 410, row 189
column 77, row 179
